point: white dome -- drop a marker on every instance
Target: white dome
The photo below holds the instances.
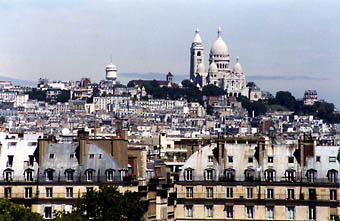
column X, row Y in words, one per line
column 201, row 68
column 219, row 47
column 111, row 67
column 237, row 68
column 213, row 67
column 197, row 37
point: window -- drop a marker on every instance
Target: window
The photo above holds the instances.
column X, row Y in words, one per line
column 318, row 158
column 51, row 156
column 209, row 174
column 332, row 195
column 10, row 160
column 269, row 175
column 71, row 155
column 189, row 192
column 270, row 159
column 100, row 156
column 188, row 211
column 89, row 189
column 312, row 194
column 8, row 192
column 290, row 175
column 210, row 159
column 69, row 192
column 250, row 212
column 291, row 194
column 249, row 174
column 31, row 160
column 49, row 174
column 28, row 192
column 249, row 193
column 48, row 212
column 270, row 212
column 230, row 159
column 229, row 192
column 229, row 174
column 312, row 213
column 188, row 174
column 290, row 212
column 209, row 211
column 229, row 211
column 333, row 217
column 332, row 159
column 49, row 192
column 311, row 174
column 91, row 156
column 89, row 174
column 270, row 194
column 290, row 159
column 210, row 192
column 109, row 174
column 250, row 159
column 69, row 174
column 8, row 175
column 332, row 176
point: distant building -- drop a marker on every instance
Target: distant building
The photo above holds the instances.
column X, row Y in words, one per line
column 310, row 97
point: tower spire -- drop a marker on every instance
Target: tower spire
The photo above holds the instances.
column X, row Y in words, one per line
column 219, row 32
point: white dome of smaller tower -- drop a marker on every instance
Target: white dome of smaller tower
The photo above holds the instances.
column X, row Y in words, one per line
column 201, row 68
column 111, row 72
column 197, row 37
column 213, row 67
column 238, row 68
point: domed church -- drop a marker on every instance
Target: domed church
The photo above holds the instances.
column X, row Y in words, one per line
column 219, row 73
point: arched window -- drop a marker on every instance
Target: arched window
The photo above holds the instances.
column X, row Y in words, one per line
column 109, row 173
column 188, row 174
column 229, row 174
column 290, row 175
column 249, row 174
column 28, row 174
column 270, row 175
column 332, row 176
column 8, row 175
column 311, row 175
column 49, row 174
column 89, row 174
column 198, row 53
column 209, row 174
column 69, row 174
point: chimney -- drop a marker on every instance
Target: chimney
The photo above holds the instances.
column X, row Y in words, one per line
column 42, row 147
column 83, row 137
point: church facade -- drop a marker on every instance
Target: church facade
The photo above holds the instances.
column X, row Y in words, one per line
column 219, row 72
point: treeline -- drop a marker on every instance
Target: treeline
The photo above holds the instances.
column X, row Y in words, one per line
column 188, row 91
column 320, row 109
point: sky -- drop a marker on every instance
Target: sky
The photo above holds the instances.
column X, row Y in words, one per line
column 282, row 45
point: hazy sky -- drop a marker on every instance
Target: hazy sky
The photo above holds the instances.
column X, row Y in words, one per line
column 286, row 45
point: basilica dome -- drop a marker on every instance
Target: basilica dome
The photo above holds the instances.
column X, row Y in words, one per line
column 237, row 68
column 213, row 67
column 219, row 47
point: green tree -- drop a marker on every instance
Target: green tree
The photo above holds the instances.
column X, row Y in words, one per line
column 10, row 211
column 106, row 204
column 64, row 96
column 37, row 94
column 212, row 90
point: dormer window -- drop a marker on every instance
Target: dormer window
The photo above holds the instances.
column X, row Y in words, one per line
column 188, row 174
column 229, row 174
column 91, row 156
column 69, row 174
column 28, row 175
column 109, row 174
column 332, row 176
column 49, row 174
column 51, row 156
column 249, row 174
column 290, row 175
column 209, row 174
column 269, row 175
column 8, row 175
column 311, row 175
column 89, row 173
column 210, row 158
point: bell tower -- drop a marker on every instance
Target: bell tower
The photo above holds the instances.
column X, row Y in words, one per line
column 196, row 54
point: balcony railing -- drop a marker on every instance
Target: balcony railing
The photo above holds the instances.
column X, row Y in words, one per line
column 263, row 179
column 262, row 196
